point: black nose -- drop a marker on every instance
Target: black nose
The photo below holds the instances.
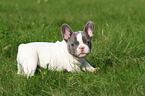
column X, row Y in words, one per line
column 82, row 47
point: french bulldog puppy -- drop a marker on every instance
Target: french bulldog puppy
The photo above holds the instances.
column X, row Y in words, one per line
column 65, row 55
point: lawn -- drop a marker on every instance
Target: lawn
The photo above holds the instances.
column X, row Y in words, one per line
column 118, row 46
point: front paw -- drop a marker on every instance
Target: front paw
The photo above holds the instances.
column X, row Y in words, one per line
column 96, row 69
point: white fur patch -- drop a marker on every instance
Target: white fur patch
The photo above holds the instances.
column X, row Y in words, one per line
column 40, row 53
column 79, row 38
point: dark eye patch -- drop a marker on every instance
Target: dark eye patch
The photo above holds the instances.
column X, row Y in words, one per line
column 86, row 39
column 88, row 42
column 74, row 43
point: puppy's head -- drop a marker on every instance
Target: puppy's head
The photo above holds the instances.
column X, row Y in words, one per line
column 78, row 43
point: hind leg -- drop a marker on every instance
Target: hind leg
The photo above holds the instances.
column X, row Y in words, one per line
column 27, row 59
column 29, row 67
column 27, row 63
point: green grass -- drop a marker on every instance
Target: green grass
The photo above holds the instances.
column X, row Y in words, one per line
column 118, row 46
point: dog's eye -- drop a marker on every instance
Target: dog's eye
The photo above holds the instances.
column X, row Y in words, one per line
column 73, row 45
column 88, row 42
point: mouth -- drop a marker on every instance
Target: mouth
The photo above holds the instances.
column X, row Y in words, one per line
column 82, row 54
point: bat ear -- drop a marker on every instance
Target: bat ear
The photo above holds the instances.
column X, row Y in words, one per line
column 66, row 31
column 89, row 28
